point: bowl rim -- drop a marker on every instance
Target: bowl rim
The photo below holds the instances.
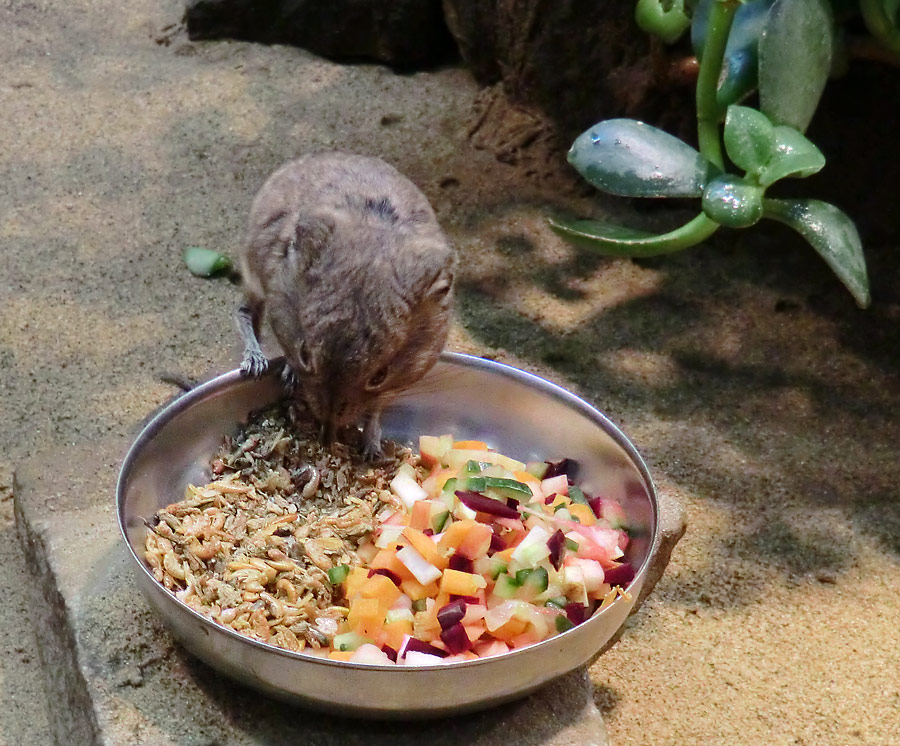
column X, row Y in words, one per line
column 224, row 381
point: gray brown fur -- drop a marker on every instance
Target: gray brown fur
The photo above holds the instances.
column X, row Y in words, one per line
column 346, row 258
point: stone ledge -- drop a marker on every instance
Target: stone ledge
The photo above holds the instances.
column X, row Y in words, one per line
column 119, row 679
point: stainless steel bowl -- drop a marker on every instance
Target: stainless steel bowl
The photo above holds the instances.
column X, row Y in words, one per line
column 520, row 414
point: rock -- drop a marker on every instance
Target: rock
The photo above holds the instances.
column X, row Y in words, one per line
column 402, row 33
column 672, row 524
column 576, row 61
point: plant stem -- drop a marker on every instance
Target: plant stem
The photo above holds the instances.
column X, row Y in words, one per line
column 709, row 113
column 639, row 244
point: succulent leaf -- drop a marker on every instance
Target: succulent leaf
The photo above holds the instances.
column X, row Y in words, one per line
column 832, row 234
column 206, row 262
column 633, row 159
column 795, row 52
column 619, row 240
column 739, row 74
column 749, row 138
column 733, row 202
column 794, row 156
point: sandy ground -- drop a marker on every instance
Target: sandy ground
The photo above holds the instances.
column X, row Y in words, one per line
column 758, row 393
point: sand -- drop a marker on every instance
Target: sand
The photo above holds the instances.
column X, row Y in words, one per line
column 759, row 395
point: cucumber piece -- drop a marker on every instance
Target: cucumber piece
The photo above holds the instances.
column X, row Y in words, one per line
column 536, row 468
column 562, row 512
column 539, row 578
column 558, row 602
column 532, row 582
column 350, row 641
column 439, row 521
column 563, row 624
column 337, row 575
column 576, row 495
column 419, row 605
column 473, row 467
column 571, row 545
column 506, row 586
column 508, row 487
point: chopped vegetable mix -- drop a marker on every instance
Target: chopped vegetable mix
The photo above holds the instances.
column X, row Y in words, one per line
column 480, row 554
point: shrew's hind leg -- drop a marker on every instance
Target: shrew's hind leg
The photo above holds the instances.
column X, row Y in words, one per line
column 248, row 317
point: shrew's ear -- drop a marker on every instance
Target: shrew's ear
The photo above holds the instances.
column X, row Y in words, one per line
column 440, row 285
column 311, row 232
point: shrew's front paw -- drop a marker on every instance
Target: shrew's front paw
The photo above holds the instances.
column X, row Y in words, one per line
column 254, row 364
column 372, row 450
column 289, row 378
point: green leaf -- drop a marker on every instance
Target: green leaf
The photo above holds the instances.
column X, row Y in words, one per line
column 794, row 156
column 206, row 262
column 739, row 70
column 749, row 138
column 618, row 240
column 733, row 202
column 633, row 159
column 668, row 20
column 881, row 18
column 794, row 60
column 830, row 232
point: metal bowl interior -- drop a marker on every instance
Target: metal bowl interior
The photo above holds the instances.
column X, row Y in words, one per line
column 521, row 415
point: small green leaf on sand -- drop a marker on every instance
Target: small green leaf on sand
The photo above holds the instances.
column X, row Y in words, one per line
column 206, row 262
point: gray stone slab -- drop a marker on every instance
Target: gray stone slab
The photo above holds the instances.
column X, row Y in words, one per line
column 119, row 679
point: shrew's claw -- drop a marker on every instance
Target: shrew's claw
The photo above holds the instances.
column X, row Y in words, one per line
column 254, row 364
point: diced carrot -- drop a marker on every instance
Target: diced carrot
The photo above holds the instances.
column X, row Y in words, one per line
column 474, row 631
column 394, row 632
column 505, row 554
column 365, row 615
column 510, row 629
column 559, row 500
column 341, row 655
column 476, row 542
column 457, row 457
column 472, row 445
column 425, row 546
column 461, row 583
column 534, row 484
column 456, row 534
column 420, row 517
column 386, row 559
column 354, row 580
column 415, row 590
column 383, row 590
column 583, row 513
column 426, row 626
column 440, row 601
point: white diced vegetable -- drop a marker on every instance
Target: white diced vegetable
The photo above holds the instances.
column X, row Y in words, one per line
column 421, row 568
column 407, row 489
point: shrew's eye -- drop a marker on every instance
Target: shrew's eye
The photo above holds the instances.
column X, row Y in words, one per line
column 378, row 378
